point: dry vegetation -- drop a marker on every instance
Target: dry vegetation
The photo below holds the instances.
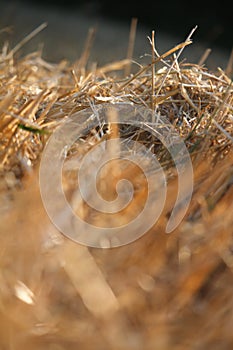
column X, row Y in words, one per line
column 162, row 291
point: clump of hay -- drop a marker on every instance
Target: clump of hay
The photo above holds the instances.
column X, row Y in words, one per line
column 160, row 292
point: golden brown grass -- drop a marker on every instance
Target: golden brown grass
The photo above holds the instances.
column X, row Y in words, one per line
column 162, row 291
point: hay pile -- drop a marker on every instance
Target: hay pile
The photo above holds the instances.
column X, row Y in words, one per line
column 160, row 292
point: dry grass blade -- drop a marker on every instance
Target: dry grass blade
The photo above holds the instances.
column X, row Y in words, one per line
column 145, row 68
column 26, row 39
column 132, row 36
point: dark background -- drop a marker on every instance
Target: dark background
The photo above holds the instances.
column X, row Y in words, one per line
column 213, row 18
column 68, row 23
